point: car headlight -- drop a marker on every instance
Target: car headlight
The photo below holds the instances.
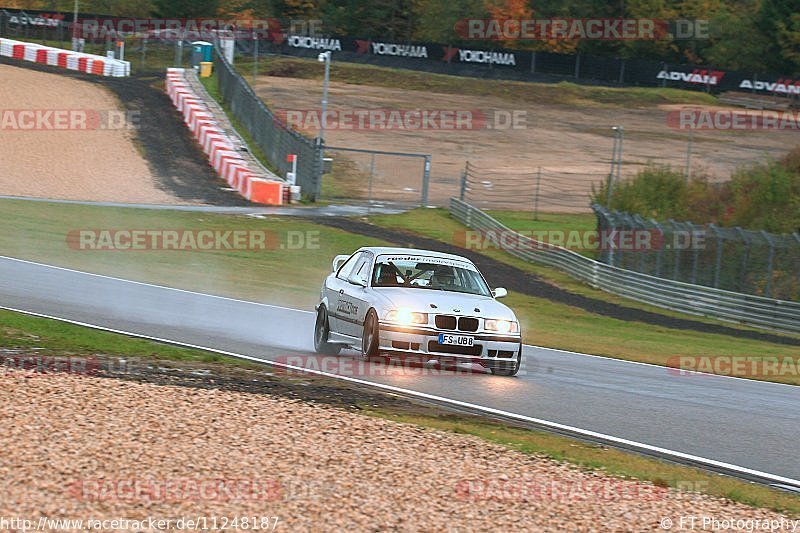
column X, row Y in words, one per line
column 501, row 326
column 406, row 317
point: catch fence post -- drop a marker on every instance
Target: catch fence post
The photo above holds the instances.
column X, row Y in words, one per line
column 371, row 176
column 770, row 261
column 255, row 58
column 426, row 178
column 463, row 184
column 718, row 260
column 536, row 195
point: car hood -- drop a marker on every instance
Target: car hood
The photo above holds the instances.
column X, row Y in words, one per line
column 448, row 303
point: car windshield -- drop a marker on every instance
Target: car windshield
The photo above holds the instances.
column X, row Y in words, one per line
column 420, row 272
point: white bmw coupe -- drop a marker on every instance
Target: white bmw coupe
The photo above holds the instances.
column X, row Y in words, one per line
column 416, row 304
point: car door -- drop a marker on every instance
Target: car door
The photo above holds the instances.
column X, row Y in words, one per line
column 357, row 296
column 349, row 305
column 335, row 289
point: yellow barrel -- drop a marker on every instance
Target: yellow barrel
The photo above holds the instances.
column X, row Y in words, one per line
column 205, row 69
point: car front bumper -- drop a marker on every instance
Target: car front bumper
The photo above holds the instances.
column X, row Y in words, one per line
column 422, row 343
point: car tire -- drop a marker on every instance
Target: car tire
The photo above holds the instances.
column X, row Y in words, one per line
column 322, row 331
column 370, row 339
column 508, row 369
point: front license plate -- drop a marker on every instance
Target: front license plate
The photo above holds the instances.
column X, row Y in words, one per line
column 458, row 340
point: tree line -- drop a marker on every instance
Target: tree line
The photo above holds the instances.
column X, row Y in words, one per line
column 747, row 35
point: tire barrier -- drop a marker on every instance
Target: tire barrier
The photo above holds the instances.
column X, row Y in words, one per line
column 57, row 57
column 223, row 151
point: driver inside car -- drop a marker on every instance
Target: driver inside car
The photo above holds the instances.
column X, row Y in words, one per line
column 387, row 276
column 443, row 278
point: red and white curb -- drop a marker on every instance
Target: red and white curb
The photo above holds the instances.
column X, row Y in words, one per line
column 221, row 149
column 58, row 57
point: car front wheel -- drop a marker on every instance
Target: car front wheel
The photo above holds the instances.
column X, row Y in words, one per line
column 370, row 339
column 509, row 368
column 322, row 331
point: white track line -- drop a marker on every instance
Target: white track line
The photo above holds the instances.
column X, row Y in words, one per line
column 663, row 452
column 249, row 302
column 154, row 285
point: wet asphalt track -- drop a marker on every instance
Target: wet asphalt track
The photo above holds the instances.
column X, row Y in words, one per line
column 746, row 423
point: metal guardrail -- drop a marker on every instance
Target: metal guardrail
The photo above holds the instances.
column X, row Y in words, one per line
column 720, row 304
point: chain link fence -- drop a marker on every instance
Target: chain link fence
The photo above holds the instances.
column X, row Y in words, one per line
column 376, row 176
column 670, row 294
column 274, row 137
column 536, row 190
column 733, row 259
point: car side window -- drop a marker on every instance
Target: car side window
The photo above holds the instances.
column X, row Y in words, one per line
column 347, row 267
column 362, row 267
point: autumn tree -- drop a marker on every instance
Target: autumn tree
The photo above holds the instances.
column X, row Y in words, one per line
column 178, row 9
column 386, row 19
column 436, row 20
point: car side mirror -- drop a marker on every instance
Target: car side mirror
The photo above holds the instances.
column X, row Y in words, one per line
column 338, row 261
column 356, row 280
column 499, row 292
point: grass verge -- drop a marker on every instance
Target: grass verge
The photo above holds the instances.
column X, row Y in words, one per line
column 51, row 337
column 562, row 225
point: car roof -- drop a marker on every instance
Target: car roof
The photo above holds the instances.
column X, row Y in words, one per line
column 387, row 250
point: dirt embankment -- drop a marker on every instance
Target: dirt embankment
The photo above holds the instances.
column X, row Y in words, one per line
column 131, row 145
column 86, row 160
column 514, row 138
